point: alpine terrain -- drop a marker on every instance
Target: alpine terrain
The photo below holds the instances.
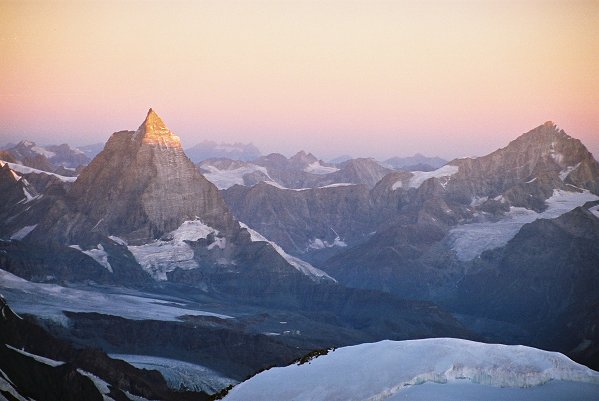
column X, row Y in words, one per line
column 141, row 275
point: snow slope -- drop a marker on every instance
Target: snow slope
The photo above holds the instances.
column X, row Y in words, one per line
column 98, row 254
column 388, row 370
column 49, row 300
column 418, row 177
column 19, row 168
column 470, row 240
column 318, row 168
column 224, row 179
column 162, row 256
column 301, row 265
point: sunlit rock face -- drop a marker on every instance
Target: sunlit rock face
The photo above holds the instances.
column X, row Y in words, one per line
column 142, row 185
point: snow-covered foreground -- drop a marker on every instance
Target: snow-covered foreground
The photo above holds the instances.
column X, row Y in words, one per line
column 180, row 374
column 470, row 240
column 398, row 370
column 50, row 300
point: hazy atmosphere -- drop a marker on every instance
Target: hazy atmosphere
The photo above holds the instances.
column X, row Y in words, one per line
column 362, row 78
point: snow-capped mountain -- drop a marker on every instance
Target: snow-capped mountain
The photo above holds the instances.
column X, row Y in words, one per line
column 141, row 200
column 63, row 159
column 301, row 171
column 433, row 369
column 212, row 150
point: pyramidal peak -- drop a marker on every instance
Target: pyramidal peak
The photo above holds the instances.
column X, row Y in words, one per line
column 155, row 132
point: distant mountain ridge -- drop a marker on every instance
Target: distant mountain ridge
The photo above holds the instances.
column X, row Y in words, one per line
column 62, row 159
column 418, row 162
column 213, row 150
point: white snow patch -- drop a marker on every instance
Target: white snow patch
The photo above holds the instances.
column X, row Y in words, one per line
column 49, row 300
column 224, row 179
column 339, row 184
column 41, row 359
column 28, row 196
column 6, row 386
column 385, row 369
column 334, row 185
column 98, row 254
column 162, row 256
column 43, row 151
column 470, row 240
column 300, row 265
column 595, row 211
column 100, row 384
column 477, row 201
column 418, row 177
column 318, row 243
column 28, row 170
column 134, row 397
column 275, row 184
column 565, row 172
column 317, row 168
column 23, row 232
column 180, row 374
column 118, row 240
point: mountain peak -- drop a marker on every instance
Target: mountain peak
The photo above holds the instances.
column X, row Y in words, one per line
column 154, row 131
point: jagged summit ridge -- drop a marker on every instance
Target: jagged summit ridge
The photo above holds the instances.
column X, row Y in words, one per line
column 154, row 131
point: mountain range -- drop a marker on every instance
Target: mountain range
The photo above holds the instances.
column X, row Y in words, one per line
column 232, row 266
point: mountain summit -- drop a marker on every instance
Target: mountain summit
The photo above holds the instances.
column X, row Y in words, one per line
column 154, row 131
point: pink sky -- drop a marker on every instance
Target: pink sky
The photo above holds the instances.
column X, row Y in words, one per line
column 363, row 78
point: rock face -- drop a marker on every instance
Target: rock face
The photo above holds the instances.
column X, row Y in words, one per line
column 307, row 220
column 142, row 186
column 535, row 163
column 35, row 364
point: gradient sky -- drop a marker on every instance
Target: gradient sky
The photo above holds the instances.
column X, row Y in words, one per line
column 363, row 78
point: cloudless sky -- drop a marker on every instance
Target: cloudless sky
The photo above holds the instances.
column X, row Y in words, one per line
column 364, row 78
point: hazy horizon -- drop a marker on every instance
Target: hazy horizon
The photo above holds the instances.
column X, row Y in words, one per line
column 368, row 79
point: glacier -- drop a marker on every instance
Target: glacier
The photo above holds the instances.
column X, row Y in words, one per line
column 470, row 240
